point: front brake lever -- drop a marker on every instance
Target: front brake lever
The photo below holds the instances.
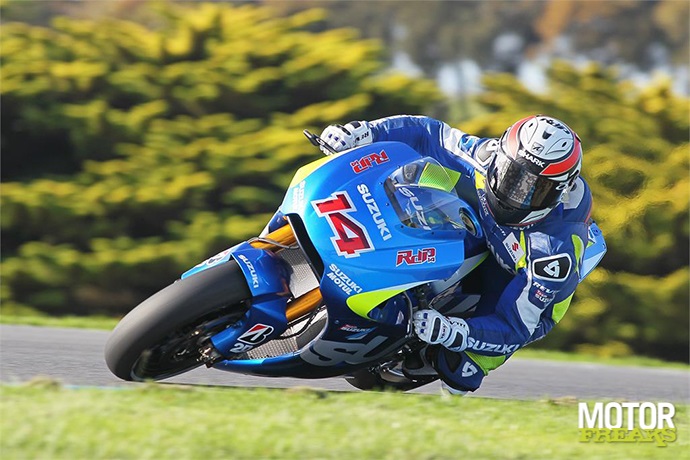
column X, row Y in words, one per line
column 318, row 142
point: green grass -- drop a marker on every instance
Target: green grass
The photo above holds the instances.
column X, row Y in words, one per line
column 165, row 422
column 82, row 322
column 536, row 353
column 108, row 323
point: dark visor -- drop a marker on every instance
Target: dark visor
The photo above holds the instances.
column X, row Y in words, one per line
column 518, row 187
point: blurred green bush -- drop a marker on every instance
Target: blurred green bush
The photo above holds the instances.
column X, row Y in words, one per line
column 131, row 152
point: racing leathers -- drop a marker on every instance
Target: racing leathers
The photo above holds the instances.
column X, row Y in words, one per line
column 527, row 286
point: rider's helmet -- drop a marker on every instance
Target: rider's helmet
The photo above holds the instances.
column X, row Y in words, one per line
column 535, row 165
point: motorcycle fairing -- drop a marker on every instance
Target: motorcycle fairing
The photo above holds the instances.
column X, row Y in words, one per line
column 370, row 260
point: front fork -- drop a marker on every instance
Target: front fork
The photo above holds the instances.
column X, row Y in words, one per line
column 272, row 308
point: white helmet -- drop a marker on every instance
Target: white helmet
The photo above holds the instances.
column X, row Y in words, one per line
column 536, row 163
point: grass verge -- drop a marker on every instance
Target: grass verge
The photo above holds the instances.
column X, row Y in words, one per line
column 165, row 422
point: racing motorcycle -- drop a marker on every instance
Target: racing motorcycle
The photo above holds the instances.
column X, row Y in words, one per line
column 361, row 240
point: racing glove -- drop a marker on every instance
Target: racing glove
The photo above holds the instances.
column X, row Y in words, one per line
column 351, row 135
column 434, row 328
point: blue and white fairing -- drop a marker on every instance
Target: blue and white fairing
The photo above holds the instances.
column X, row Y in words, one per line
column 383, row 220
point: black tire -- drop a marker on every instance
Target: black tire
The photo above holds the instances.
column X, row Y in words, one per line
column 162, row 336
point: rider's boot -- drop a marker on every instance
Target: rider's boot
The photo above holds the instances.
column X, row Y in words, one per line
column 418, row 363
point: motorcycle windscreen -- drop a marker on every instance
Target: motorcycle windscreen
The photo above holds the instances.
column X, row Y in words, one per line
column 423, row 195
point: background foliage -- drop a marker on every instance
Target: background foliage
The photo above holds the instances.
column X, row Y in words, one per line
column 133, row 149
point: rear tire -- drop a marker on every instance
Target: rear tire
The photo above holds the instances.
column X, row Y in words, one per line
column 163, row 335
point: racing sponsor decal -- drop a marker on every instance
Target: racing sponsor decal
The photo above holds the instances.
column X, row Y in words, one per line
column 253, row 337
column 351, row 237
column 542, row 293
column 369, row 161
column 330, row 353
column 418, row 208
column 514, row 250
column 357, row 332
column 421, row 256
column 477, row 345
column 469, row 369
column 343, row 281
column 375, row 212
column 298, row 195
column 252, row 270
column 351, row 328
column 211, row 261
column 555, row 268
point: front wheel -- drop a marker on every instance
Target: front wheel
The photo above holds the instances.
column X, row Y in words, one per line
column 163, row 335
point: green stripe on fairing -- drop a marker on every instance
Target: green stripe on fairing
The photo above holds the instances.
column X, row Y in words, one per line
column 364, row 302
column 303, row 172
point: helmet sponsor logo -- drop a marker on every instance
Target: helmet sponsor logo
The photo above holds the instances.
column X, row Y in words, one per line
column 556, row 124
column 532, row 159
column 556, row 268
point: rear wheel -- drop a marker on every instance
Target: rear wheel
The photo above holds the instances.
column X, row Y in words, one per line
column 165, row 334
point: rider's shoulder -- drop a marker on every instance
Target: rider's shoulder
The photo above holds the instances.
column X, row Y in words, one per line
column 578, row 206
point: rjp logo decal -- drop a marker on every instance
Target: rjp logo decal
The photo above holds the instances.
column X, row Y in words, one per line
column 369, row 161
column 256, row 334
column 556, row 268
column 351, row 237
column 422, row 256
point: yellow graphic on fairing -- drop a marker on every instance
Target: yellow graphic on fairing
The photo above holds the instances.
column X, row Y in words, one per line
column 309, row 168
column 438, row 177
column 363, row 303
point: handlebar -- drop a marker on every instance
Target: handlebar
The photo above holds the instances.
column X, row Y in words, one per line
column 318, row 142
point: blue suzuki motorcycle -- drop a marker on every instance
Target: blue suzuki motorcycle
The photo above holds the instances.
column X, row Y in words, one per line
column 362, row 239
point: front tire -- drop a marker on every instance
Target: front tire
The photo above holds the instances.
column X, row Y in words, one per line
column 163, row 335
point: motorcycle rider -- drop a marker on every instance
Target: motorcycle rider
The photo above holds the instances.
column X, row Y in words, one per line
column 534, row 210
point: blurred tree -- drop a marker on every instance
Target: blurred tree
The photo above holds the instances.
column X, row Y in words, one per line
column 130, row 149
column 500, row 35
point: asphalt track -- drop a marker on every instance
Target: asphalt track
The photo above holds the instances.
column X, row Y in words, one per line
column 75, row 357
